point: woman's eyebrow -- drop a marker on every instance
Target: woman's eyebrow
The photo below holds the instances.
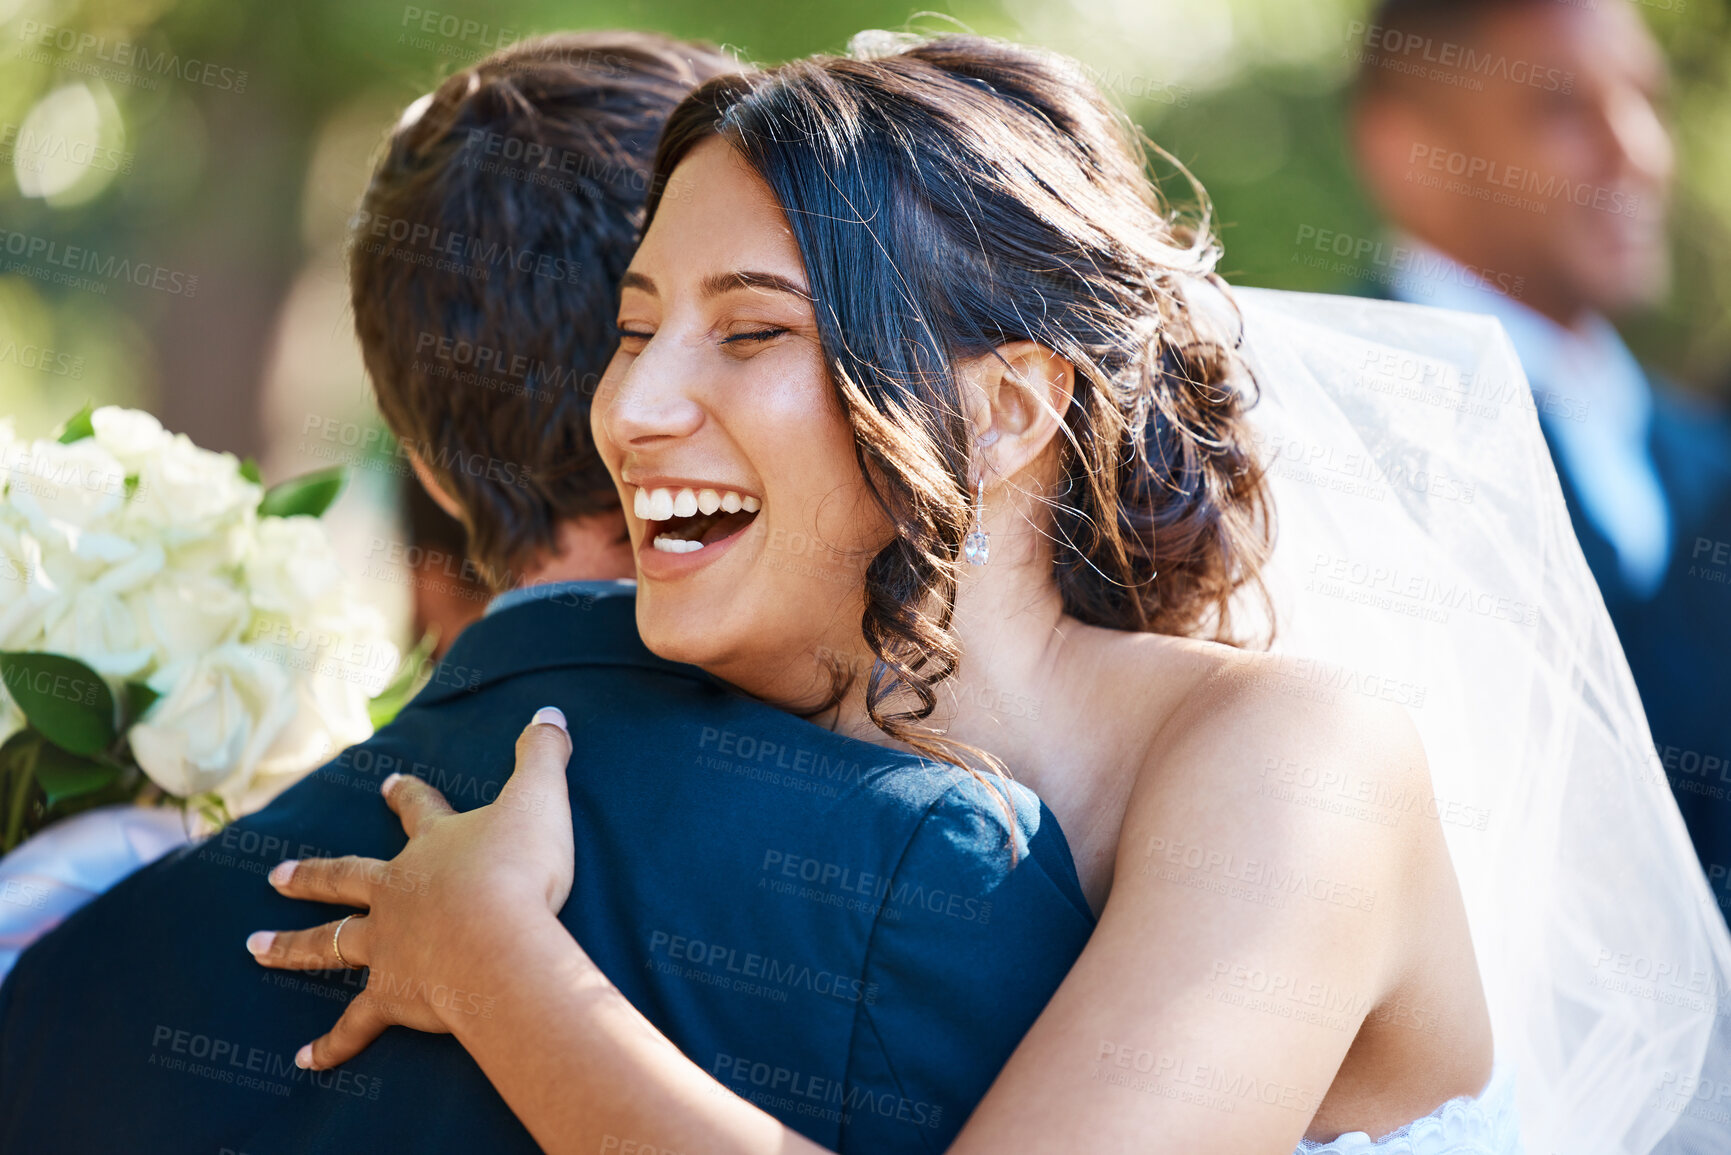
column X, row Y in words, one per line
column 718, row 283
column 639, row 281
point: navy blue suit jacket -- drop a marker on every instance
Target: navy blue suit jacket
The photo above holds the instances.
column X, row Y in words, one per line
column 833, row 929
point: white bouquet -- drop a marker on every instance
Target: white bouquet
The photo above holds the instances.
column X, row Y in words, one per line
column 168, row 628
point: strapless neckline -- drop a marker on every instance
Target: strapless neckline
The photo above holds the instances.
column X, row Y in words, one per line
column 1482, row 1124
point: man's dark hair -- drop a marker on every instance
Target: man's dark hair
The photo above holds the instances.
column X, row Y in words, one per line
column 484, row 271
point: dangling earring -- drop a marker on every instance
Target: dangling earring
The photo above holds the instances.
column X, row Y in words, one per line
column 977, row 546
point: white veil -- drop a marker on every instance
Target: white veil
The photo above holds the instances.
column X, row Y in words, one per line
column 1424, row 555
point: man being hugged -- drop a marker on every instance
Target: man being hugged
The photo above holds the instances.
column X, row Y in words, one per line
column 722, row 847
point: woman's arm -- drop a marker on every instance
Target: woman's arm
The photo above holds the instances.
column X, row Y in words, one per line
column 586, row 1072
column 460, row 935
column 1154, row 1032
column 1245, row 940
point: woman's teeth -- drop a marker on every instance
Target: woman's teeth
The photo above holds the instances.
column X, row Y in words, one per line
column 664, row 503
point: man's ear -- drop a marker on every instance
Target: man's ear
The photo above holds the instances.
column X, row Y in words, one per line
column 434, row 490
column 1017, row 396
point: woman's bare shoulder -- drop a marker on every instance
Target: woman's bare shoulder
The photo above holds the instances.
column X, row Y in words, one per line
column 1232, row 698
column 1249, row 738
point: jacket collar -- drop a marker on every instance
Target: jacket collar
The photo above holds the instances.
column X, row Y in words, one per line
column 574, row 628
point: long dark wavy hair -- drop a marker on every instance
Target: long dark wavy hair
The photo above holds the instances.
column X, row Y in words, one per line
column 951, row 196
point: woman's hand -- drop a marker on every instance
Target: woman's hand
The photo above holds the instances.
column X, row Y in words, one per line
column 436, row 913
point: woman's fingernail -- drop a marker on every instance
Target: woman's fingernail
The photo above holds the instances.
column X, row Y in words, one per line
column 389, row 784
column 304, row 1057
column 282, row 872
column 259, row 941
column 551, row 716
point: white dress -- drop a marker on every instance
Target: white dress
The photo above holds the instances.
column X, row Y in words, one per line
column 1482, row 1124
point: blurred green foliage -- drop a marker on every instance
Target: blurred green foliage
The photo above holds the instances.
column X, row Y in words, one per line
column 220, row 143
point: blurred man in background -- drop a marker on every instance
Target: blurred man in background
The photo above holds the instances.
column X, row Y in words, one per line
column 1520, row 148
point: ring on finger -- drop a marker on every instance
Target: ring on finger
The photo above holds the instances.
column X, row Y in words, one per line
column 336, row 942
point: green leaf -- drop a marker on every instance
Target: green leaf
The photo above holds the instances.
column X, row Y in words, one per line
column 16, row 747
column 249, row 470
column 210, row 807
column 414, row 672
column 18, row 776
column 310, row 494
column 139, row 698
column 63, row 775
column 63, row 698
column 78, row 426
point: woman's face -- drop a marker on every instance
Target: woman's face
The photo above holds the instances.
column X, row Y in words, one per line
column 751, row 522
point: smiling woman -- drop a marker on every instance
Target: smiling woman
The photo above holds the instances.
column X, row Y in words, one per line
column 771, row 319
column 899, row 300
column 719, row 396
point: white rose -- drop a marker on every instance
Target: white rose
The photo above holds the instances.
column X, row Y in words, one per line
column 42, row 576
column 94, row 620
column 216, row 718
column 100, row 632
column 330, row 716
column 332, row 682
column 293, row 571
column 63, row 492
column 25, row 589
column 184, row 615
column 131, row 435
column 196, row 502
column 360, row 655
column 255, row 795
column 335, row 674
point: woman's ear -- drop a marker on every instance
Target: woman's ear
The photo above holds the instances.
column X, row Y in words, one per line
column 1018, row 394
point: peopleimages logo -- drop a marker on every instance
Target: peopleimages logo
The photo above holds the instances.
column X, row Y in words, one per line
column 229, row 1062
column 450, row 251
column 750, row 749
column 712, row 960
column 821, row 1097
column 1184, row 1072
column 137, row 57
column 78, row 259
column 1446, row 61
column 519, row 157
column 833, row 878
column 1384, row 260
column 440, row 355
column 452, row 27
column 1526, row 188
column 42, row 359
column 32, row 149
